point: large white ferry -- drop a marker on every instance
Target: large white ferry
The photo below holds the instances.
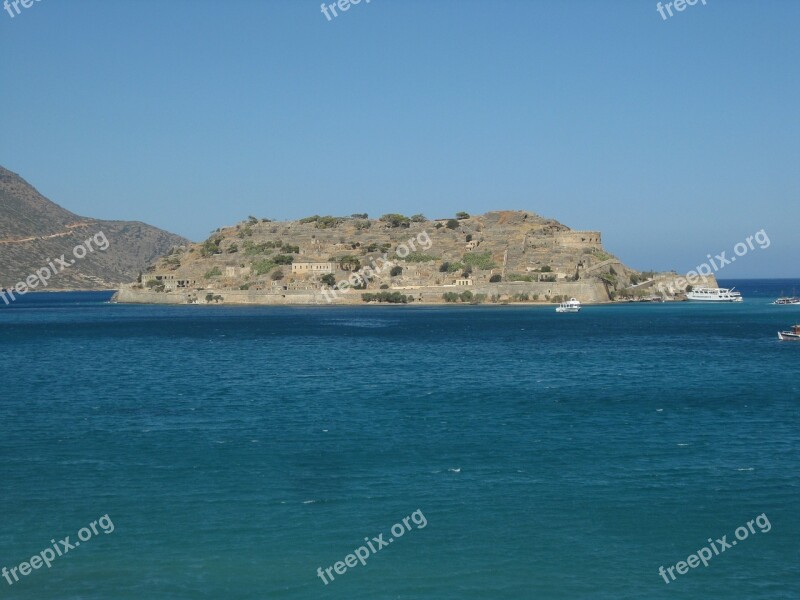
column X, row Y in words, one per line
column 714, row 295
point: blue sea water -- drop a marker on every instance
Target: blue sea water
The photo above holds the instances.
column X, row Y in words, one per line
column 238, row 449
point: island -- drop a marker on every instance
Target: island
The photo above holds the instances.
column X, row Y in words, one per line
column 501, row 257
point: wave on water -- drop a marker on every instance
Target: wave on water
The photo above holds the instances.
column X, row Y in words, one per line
column 363, row 323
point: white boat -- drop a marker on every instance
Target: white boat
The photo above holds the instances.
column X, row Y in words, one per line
column 714, row 295
column 570, row 306
column 790, row 336
column 783, row 300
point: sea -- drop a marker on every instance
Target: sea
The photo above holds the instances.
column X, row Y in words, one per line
column 508, row 452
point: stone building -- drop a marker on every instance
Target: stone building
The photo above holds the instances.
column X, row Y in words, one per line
column 312, row 268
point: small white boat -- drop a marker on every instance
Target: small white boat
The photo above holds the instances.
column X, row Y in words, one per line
column 792, row 335
column 570, row 306
column 787, row 300
column 714, row 295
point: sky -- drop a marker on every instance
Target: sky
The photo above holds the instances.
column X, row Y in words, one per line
column 676, row 138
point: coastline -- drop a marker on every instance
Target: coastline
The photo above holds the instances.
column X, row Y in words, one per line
column 170, row 299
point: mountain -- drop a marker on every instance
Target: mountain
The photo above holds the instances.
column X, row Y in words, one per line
column 35, row 232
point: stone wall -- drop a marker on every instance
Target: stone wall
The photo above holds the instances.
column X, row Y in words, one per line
column 585, row 291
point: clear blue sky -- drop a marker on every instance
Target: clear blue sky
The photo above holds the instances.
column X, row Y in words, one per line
column 675, row 138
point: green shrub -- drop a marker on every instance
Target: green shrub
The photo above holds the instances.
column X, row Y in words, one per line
column 210, row 246
column 277, row 275
column 462, row 215
column 418, row 218
column 388, row 297
column 608, row 278
column 450, row 297
column 452, row 224
column 262, row 266
column 328, row 279
column 396, row 220
column 519, row 277
column 600, row 254
column 465, row 296
column 481, row 260
column 327, row 222
column 495, row 279
column 396, row 271
column 348, row 263
column 215, row 272
column 283, row 259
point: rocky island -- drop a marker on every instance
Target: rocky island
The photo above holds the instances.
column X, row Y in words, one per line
column 498, row 257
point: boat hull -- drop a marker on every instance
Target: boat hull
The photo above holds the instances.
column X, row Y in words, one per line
column 788, row 336
column 734, row 299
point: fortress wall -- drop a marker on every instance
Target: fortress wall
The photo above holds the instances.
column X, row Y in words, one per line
column 585, row 291
column 579, row 238
column 567, row 239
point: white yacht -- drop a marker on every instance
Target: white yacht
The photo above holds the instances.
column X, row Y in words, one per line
column 714, row 295
column 570, row 306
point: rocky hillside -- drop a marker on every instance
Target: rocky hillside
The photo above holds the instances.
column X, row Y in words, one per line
column 477, row 252
column 35, row 231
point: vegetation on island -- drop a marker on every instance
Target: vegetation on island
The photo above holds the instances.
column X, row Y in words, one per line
column 389, row 297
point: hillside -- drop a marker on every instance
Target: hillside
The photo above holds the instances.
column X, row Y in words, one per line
column 501, row 256
column 34, row 231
